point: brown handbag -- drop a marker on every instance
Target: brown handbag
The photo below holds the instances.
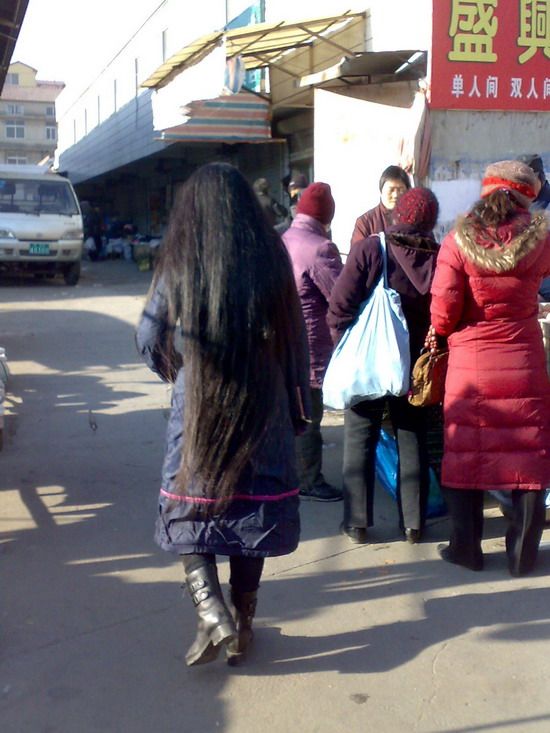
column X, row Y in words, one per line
column 428, row 378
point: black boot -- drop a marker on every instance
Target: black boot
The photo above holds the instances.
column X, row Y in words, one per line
column 244, row 608
column 215, row 625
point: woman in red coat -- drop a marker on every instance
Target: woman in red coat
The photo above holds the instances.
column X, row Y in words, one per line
column 497, row 399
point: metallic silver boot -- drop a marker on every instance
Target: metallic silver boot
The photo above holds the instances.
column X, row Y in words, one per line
column 216, row 625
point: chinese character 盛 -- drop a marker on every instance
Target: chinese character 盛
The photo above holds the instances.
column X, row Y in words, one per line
column 473, row 27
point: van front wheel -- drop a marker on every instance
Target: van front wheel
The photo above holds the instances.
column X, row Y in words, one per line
column 71, row 274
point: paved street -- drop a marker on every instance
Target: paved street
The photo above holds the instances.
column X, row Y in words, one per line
column 382, row 638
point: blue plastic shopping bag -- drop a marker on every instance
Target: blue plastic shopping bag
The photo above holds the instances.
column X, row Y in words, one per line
column 373, row 359
column 386, row 472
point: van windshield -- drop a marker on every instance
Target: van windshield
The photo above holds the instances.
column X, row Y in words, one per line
column 28, row 196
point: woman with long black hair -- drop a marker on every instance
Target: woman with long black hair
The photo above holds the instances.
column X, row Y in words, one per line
column 229, row 484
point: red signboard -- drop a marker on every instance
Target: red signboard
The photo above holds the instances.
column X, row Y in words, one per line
column 491, row 54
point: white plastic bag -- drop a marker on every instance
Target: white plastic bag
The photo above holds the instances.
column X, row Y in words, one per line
column 373, row 358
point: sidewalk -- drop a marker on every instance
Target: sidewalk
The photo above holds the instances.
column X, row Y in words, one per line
column 383, row 637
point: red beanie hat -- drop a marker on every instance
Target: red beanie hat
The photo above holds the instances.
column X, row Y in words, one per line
column 418, row 207
column 513, row 176
column 317, row 201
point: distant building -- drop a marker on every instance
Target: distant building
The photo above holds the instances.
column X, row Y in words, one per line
column 28, row 126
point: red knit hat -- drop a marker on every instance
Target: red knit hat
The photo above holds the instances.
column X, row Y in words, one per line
column 418, row 207
column 317, row 201
column 513, row 176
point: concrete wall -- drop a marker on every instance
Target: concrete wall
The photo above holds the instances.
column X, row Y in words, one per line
column 35, row 145
column 175, row 24
column 27, row 75
column 121, row 139
column 465, row 142
column 33, row 100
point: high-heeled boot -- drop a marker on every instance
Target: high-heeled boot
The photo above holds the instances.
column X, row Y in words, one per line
column 216, row 625
column 244, row 608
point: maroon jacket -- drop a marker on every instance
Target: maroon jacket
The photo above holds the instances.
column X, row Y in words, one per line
column 316, row 264
column 371, row 222
column 411, row 265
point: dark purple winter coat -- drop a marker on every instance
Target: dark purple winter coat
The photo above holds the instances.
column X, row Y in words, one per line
column 411, row 265
column 316, row 264
column 262, row 518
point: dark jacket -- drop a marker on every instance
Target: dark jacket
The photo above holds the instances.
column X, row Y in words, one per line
column 541, row 203
column 273, row 210
column 262, row 519
column 543, row 199
column 411, row 265
column 316, row 264
column 371, row 222
column 497, row 393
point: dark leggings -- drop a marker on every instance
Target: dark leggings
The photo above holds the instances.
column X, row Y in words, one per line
column 245, row 571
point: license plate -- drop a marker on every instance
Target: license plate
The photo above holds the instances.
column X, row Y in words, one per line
column 39, row 249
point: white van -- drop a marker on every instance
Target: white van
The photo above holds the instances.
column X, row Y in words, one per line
column 40, row 223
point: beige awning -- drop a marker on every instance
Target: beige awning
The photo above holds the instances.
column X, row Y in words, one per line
column 188, row 56
column 258, row 45
column 400, row 65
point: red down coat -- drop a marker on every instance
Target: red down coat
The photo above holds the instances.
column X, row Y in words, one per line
column 497, row 396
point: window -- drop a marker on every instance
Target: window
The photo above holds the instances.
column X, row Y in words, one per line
column 164, row 42
column 31, row 196
column 16, row 160
column 15, row 129
column 50, row 111
column 12, row 78
column 15, row 109
column 51, row 133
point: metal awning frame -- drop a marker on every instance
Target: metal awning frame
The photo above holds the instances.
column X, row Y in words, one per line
column 383, row 66
column 259, row 45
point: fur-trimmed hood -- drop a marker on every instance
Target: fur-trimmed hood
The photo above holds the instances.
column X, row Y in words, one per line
column 500, row 249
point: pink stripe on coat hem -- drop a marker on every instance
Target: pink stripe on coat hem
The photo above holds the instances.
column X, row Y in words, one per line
column 245, row 497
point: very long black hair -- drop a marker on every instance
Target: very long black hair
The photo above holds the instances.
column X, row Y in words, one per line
column 231, row 289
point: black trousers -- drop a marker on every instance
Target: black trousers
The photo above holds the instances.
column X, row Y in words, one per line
column 309, row 446
column 525, row 526
column 245, row 571
column 362, row 425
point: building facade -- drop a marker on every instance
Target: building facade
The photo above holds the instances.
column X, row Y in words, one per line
column 348, row 86
column 127, row 143
column 28, row 126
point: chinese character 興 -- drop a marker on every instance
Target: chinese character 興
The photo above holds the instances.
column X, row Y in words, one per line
column 534, row 28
